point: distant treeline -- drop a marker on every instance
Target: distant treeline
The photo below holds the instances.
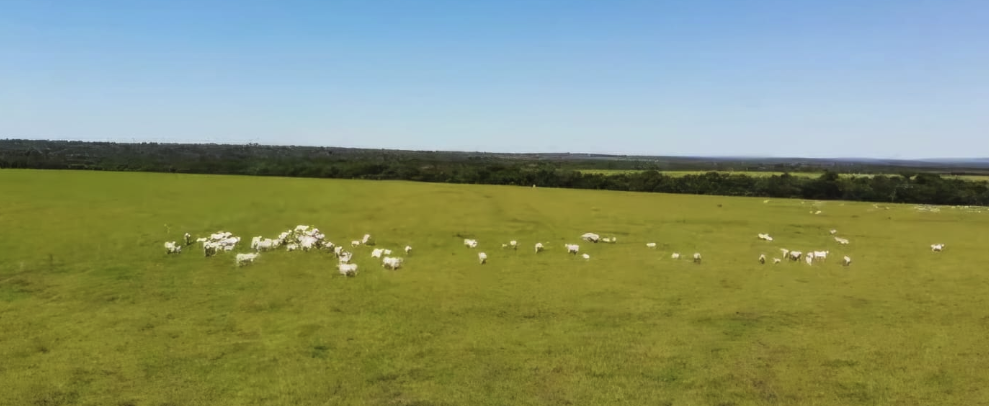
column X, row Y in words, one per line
column 497, row 169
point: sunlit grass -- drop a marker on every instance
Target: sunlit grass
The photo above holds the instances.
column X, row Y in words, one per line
column 92, row 311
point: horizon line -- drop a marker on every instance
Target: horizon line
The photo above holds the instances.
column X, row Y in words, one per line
column 464, row 151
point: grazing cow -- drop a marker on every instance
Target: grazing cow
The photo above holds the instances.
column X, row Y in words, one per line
column 590, row 237
column 347, row 269
column 846, row 261
column 514, row 244
column 172, row 248
column 650, row 245
column 408, row 250
column 376, row 253
column 937, row 247
column 355, row 243
column 676, row 255
column 307, row 243
column 482, row 257
column 539, row 247
column 188, row 239
column 573, row 248
column 809, row 258
column 209, row 249
column 243, row 259
column 391, row 263
column 821, row 255
column 795, row 255
column 586, row 256
column 833, row 231
column 777, row 260
column 291, row 247
column 762, row 259
column 697, row 257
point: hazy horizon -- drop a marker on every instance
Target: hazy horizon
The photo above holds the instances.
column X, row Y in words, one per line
column 814, row 79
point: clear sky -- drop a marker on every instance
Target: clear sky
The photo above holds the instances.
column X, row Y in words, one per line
column 812, row 78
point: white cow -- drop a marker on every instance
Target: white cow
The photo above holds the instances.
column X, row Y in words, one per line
column 470, row 243
column 376, row 253
column 408, row 250
column 697, row 257
column 937, row 247
column 172, row 248
column 514, row 244
column 573, row 249
column 833, row 231
column 209, row 248
column 188, row 239
column 291, row 247
column 821, row 255
column 586, row 256
column 785, row 252
column 650, row 245
column 846, row 261
column 762, row 258
column 482, row 257
column 243, row 259
column 809, row 258
column 795, row 255
column 355, row 243
column 591, row 237
column 676, row 255
column 307, row 243
column 387, row 252
column 367, row 240
column 777, row 260
column 391, row 263
column 539, row 247
column 347, row 269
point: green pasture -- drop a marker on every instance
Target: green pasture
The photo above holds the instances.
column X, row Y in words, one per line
column 93, row 312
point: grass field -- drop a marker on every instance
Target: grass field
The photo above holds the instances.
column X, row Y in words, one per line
column 759, row 174
column 92, row 311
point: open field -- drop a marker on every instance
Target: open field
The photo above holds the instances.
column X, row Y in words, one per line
column 92, row 311
column 760, row 174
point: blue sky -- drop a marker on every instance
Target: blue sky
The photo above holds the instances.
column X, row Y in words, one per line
column 812, row 78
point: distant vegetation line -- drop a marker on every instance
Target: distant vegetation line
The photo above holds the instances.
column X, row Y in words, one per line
column 909, row 185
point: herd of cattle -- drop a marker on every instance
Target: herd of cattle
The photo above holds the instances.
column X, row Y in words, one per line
column 306, row 238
